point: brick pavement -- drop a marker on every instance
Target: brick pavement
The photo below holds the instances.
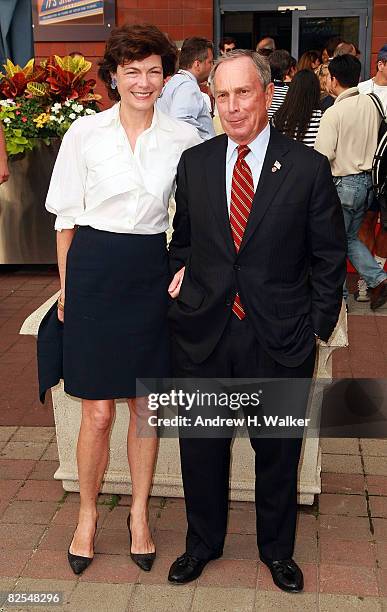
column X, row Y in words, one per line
column 341, row 541
column 21, row 292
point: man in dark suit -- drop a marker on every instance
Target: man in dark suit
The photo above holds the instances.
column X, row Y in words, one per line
column 258, row 256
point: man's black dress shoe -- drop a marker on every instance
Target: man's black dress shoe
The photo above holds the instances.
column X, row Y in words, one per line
column 286, row 574
column 186, row 568
column 143, row 560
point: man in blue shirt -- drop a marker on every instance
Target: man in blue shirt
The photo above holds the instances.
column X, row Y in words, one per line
column 181, row 97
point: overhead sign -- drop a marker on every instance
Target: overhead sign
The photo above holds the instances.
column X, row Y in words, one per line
column 59, row 11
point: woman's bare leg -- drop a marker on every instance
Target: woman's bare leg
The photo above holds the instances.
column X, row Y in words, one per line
column 92, row 458
column 142, row 451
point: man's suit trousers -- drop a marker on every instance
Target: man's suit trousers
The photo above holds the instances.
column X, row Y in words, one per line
column 206, row 460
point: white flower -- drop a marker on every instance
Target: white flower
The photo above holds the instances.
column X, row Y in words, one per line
column 67, row 103
column 56, row 108
column 90, row 111
column 72, row 116
column 7, row 102
column 61, row 119
column 7, row 120
column 53, row 118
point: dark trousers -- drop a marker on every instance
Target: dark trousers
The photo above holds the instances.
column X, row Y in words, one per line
column 205, row 462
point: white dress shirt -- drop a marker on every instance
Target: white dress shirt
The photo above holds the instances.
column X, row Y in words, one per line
column 99, row 181
column 254, row 158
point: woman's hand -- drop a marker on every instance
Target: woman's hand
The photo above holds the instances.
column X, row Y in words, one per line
column 64, row 239
column 61, row 308
column 4, row 172
column 174, row 287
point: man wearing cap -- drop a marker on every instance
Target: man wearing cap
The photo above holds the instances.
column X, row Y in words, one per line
column 377, row 243
column 378, row 83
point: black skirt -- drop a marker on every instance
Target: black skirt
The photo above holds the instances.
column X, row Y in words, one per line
column 115, row 328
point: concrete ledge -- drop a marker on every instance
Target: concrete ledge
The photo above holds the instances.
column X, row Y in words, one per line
column 31, row 324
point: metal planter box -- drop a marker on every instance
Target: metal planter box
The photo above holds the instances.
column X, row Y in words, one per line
column 27, row 233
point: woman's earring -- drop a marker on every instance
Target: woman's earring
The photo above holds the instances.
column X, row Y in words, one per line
column 113, row 83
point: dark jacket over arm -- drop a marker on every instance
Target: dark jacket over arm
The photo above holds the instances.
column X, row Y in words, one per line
column 50, row 351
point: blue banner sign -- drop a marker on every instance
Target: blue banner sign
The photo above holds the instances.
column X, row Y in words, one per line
column 58, row 11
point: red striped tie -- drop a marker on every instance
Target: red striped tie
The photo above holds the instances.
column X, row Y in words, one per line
column 242, row 194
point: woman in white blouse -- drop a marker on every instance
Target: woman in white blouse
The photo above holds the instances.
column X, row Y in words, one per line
column 110, row 187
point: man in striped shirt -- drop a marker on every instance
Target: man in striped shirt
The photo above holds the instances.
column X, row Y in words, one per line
column 279, row 65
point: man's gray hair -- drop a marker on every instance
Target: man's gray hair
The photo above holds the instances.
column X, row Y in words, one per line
column 260, row 62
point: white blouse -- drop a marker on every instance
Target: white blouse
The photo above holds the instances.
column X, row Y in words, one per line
column 99, row 181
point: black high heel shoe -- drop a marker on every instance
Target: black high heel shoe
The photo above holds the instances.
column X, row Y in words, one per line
column 143, row 560
column 78, row 563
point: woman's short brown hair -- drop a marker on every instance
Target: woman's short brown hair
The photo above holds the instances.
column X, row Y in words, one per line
column 135, row 42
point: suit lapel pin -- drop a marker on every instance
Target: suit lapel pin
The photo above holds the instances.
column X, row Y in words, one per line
column 277, row 166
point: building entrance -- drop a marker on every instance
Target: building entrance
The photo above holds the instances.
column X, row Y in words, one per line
column 297, row 29
column 248, row 27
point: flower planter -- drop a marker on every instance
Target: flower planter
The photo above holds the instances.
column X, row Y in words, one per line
column 38, row 103
column 27, row 233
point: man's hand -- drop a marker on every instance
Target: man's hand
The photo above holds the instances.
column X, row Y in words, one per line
column 174, row 287
column 60, row 309
column 4, row 172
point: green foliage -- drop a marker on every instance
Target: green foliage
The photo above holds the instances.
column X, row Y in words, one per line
column 41, row 101
column 25, row 120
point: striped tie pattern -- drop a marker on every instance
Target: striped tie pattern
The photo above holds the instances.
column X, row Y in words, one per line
column 242, row 194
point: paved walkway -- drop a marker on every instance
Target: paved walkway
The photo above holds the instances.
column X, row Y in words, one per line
column 341, row 541
column 20, row 294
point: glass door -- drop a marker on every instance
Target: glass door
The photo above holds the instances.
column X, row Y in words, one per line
column 312, row 29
